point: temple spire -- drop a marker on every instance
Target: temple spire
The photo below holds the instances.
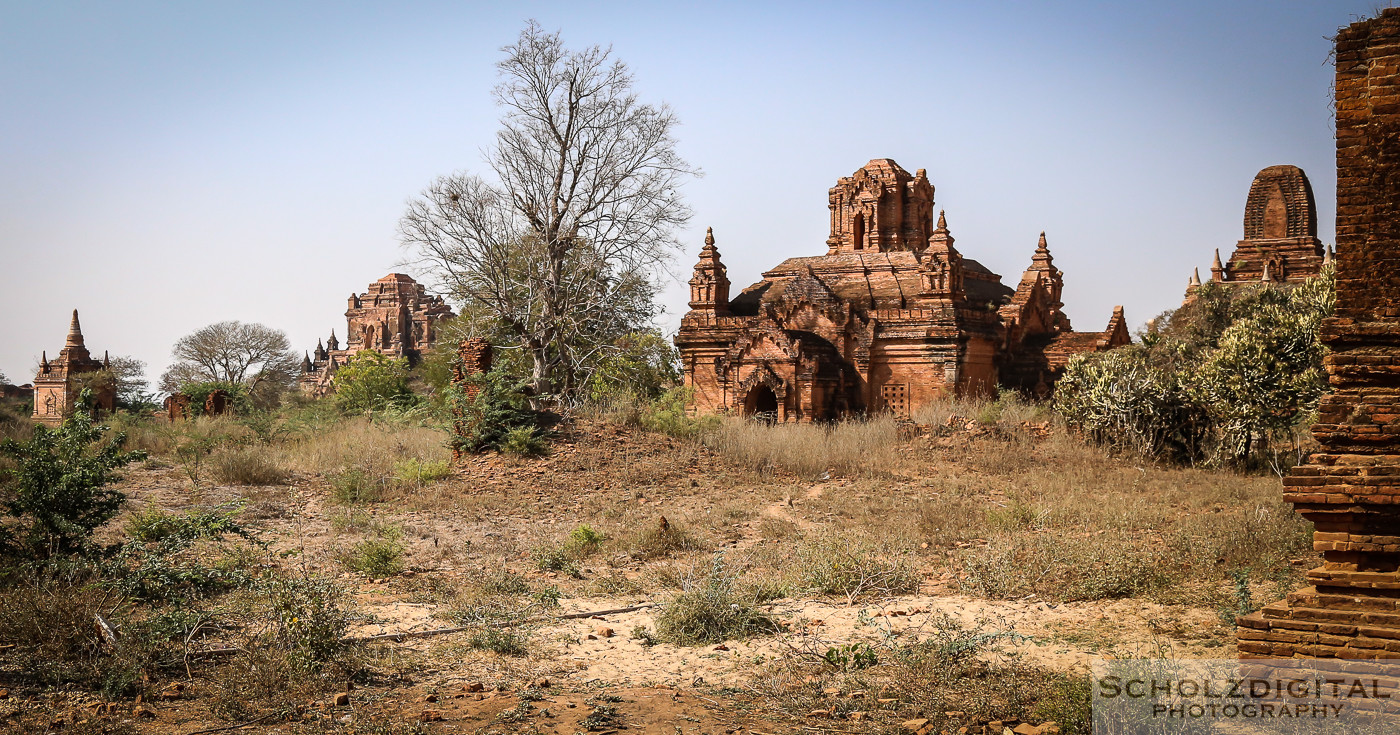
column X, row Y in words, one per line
column 1195, row 277
column 1217, row 271
column 75, row 332
column 709, row 287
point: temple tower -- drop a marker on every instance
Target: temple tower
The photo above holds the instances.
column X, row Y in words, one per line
column 709, row 286
column 880, row 208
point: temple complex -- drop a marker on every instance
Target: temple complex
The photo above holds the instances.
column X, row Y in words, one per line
column 56, row 385
column 396, row 317
column 1280, row 234
column 892, row 317
column 1350, row 488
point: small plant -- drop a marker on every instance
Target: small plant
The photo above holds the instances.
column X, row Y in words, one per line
column 309, row 618
column 377, row 557
column 603, row 717
column 851, row 656
column 523, row 441
column 499, row 640
column 555, row 559
column 711, row 611
column 353, row 486
column 418, row 472
column 644, row 634
column 585, row 540
column 501, row 581
column 1243, row 599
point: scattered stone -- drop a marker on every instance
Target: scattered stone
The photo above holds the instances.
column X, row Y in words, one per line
column 914, row 725
column 474, row 686
column 143, row 712
column 430, row 698
column 721, row 647
column 820, row 714
column 952, row 715
column 856, row 716
column 541, row 683
column 603, row 631
column 430, row 715
column 1026, row 728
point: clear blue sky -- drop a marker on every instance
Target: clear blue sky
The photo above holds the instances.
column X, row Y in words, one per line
column 168, row 165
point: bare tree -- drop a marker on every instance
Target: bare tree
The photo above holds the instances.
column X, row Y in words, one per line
column 567, row 245
column 252, row 355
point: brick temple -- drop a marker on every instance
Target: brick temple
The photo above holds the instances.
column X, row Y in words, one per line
column 1280, row 242
column 396, row 317
column 1350, row 488
column 891, row 317
column 56, row 385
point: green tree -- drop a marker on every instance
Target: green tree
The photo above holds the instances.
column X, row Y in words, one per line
column 640, row 365
column 58, row 490
column 371, row 381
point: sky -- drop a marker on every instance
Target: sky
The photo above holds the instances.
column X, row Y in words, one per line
column 164, row 166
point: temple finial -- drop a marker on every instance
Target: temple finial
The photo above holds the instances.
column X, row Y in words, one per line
column 1196, row 277
column 709, row 237
column 1267, row 275
column 75, row 331
column 942, row 221
column 1041, row 245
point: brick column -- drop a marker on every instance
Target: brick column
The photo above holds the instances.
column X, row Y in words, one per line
column 473, row 358
column 1351, row 488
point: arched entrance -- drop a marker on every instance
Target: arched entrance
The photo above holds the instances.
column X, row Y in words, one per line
column 762, row 403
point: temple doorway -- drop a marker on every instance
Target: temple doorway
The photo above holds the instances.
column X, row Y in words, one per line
column 762, row 403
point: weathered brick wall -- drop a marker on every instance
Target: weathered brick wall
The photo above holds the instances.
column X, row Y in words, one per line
column 473, row 358
column 1351, row 489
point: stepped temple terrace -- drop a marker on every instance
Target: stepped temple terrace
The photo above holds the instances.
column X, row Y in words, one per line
column 892, row 317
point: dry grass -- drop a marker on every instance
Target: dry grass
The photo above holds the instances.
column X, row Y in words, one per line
column 850, row 448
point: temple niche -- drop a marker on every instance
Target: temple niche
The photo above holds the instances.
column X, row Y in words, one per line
column 57, row 383
column 1280, row 242
column 396, row 317
column 892, row 317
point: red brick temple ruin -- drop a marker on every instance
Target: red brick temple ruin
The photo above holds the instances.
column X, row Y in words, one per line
column 396, row 317
column 892, row 317
column 56, row 385
column 1280, row 242
column 1350, row 489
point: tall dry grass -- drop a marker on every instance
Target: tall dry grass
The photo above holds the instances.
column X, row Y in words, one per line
column 853, row 448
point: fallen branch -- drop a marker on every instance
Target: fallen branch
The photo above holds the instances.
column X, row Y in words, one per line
column 268, row 716
column 461, row 628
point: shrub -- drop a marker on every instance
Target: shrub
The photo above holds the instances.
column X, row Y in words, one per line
column 372, row 381
column 664, row 539
column 59, row 485
column 239, row 401
column 414, row 471
column 640, row 366
column 1230, row 373
column 353, row 486
column 499, row 640
column 378, row 557
column 158, row 564
column 484, row 421
column 309, row 617
column 833, row 565
column 711, row 610
column 523, row 441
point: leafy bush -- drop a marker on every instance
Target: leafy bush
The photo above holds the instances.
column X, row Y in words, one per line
column 488, row 419
column 239, row 401
column 309, row 617
column 414, row 471
column 523, row 441
column 160, row 562
column 372, row 381
column 1228, row 375
column 58, row 486
column 377, row 557
column 640, row 366
column 711, row 610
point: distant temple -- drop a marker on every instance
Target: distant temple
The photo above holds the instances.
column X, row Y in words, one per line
column 395, row 317
column 890, row 318
column 56, row 386
column 1280, row 234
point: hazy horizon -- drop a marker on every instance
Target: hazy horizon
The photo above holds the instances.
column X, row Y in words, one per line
column 168, row 167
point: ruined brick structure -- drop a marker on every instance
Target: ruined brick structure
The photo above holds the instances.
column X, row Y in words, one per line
column 1350, row 488
column 396, row 317
column 1280, row 234
column 473, row 358
column 56, row 387
column 891, row 317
